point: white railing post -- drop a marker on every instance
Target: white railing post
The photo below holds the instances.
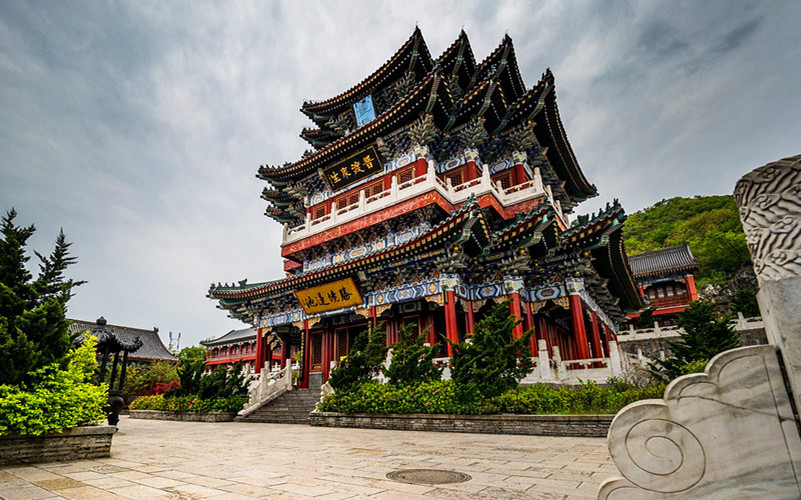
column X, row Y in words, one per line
column 393, row 188
column 537, row 180
column 361, row 201
column 614, row 359
column 557, row 360
column 307, row 225
column 543, row 361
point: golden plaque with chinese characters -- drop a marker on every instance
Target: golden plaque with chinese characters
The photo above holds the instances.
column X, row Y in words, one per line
column 353, row 169
column 328, row 297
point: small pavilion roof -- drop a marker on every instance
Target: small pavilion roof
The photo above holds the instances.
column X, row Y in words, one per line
column 665, row 261
column 152, row 348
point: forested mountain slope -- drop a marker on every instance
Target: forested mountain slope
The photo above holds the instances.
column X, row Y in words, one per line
column 709, row 224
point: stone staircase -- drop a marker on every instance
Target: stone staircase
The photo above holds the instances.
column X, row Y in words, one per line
column 291, row 407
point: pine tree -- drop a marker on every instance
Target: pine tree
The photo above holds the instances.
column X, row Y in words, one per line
column 492, row 361
column 704, row 335
column 34, row 331
column 364, row 360
column 412, row 360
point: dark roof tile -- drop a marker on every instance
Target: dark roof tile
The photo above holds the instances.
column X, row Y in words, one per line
column 232, row 336
column 152, row 347
column 664, row 261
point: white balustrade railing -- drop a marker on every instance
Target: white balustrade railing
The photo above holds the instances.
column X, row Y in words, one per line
column 267, row 386
column 671, row 332
column 416, row 186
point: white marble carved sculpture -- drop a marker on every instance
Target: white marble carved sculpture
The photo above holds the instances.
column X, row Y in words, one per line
column 730, row 432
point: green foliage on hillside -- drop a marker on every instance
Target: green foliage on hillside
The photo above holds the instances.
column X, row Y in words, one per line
column 709, row 224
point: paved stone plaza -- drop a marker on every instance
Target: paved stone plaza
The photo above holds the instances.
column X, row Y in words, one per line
column 191, row 460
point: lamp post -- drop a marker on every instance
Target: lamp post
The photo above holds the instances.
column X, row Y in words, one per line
column 107, row 345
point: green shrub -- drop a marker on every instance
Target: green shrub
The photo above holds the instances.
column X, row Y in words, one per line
column 186, row 404
column 363, row 361
column 412, row 360
column 441, row 397
column 491, row 362
column 59, row 398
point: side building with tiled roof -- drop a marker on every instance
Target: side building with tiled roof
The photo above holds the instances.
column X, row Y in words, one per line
column 152, row 347
column 234, row 347
column 665, row 278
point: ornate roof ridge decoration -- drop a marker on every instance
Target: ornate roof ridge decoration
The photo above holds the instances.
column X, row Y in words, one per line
column 457, row 61
column 663, row 261
column 415, row 47
column 586, row 223
column 502, row 58
column 561, row 150
column 433, row 84
column 469, row 210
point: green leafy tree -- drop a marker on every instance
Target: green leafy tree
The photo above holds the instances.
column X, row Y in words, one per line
column 705, row 335
column 491, row 361
column 34, row 331
column 745, row 301
column 412, row 360
column 364, row 360
column 142, row 379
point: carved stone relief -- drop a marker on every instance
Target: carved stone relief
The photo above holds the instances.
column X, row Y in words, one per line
column 770, row 209
column 727, row 433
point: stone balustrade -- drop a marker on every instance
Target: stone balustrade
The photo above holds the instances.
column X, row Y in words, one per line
column 420, row 185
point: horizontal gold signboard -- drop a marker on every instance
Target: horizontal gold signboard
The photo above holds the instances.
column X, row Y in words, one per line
column 334, row 295
column 353, row 169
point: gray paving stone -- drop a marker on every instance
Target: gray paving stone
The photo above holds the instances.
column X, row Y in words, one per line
column 157, row 459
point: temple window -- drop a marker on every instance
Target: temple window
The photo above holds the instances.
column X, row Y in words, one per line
column 405, row 175
column 505, row 178
column 319, row 212
column 455, row 178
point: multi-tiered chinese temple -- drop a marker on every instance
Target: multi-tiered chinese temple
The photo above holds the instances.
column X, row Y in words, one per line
column 436, row 188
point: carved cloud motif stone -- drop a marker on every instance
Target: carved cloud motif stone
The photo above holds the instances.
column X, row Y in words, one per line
column 727, row 433
column 770, row 209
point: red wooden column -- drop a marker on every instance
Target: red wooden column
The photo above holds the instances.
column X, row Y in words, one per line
column 374, row 318
column 450, row 320
column 542, row 331
column 514, row 310
column 597, row 350
column 607, row 337
column 470, row 317
column 579, row 332
column 431, row 335
column 327, row 354
column 471, row 170
column 304, row 384
column 528, row 324
column 284, row 350
column 259, row 361
column 691, row 289
column 520, row 171
column 420, row 164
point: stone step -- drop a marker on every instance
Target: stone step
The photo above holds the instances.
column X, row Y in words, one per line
column 292, row 407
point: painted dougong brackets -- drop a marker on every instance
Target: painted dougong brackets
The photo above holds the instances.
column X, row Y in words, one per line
column 726, row 433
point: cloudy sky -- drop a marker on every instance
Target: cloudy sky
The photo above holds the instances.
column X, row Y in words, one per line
column 138, row 127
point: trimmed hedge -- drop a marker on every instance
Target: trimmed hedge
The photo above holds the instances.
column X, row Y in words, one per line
column 187, row 404
column 440, row 398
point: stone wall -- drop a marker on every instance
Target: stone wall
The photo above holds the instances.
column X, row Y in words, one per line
column 78, row 443
column 531, row 425
column 212, row 416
